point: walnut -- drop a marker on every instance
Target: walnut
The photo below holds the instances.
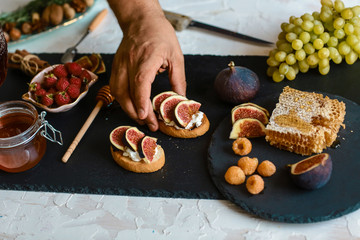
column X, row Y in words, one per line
column 78, row 5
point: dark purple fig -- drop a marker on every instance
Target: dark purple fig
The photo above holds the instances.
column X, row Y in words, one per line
column 236, row 84
column 247, row 127
column 132, row 137
column 257, row 106
column 158, row 99
column 184, row 111
column 240, row 112
column 147, row 148
column 167, row 107
column 116, row 137
column 312, row 172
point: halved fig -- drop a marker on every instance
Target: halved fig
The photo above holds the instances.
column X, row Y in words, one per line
column 312, row 172
column 158, row 99
column 240, row 112
column 132, row 137
column 247, row 127
column 184, row 111
column 257, row 106
column 116, row 137
column 147, row 148
column 167, row 107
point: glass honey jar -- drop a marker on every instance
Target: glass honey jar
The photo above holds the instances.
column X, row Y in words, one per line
column 23, row 135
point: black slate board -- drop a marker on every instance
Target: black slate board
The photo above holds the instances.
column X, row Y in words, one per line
column 281, row 199
column 185, row 174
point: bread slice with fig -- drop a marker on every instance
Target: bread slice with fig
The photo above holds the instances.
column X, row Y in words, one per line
column 180, row 117
column 134, row 151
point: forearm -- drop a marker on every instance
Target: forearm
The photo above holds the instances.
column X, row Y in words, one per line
column 132, row 11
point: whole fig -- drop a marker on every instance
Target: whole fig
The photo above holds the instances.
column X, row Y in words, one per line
column 236, row 84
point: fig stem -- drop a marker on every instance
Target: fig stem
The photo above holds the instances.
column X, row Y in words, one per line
column 231, row 64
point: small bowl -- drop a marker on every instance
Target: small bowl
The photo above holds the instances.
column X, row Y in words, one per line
column 39, row 78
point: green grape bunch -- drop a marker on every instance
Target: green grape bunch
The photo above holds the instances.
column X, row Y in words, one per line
column 313, row 40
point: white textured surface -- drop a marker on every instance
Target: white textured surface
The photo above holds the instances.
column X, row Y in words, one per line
column 34, row 215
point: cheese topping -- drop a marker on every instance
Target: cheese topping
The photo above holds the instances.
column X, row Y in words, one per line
column 196, row 119
column 135, row 155
column 132, row 155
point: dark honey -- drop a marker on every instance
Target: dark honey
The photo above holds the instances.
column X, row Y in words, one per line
column 21, row 145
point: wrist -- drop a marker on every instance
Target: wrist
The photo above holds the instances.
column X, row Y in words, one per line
column 135, row 12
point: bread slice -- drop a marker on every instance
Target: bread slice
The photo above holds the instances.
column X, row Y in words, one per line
column 185, row 133
column 141, row 166
column 304, row 122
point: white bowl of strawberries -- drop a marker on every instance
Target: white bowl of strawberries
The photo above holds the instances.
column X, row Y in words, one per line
column 60, row 87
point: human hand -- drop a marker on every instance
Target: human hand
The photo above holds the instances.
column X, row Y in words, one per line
column 149, row 46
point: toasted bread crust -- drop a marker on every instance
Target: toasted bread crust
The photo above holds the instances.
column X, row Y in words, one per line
column 185, row 133
column 138, row 167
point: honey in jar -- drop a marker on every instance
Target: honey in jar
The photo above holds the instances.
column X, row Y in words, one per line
column 22, row 144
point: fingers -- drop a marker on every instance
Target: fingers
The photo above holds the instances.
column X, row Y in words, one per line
column 119, row 86
column 151, row 119
column 177, row 76
column 140, row 87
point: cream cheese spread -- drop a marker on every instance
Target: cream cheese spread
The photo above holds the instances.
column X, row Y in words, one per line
column 196, row 119
column 135, row 155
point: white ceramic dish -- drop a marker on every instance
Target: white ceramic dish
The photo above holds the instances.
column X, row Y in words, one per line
column 39, row 78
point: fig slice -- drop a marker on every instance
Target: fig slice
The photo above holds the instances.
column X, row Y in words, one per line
column 158, row 99
column 257, row 106
column 312, row 172
column 132, row 137
column 247, row 127
column 147, row 148
column 167, row 107
column 116, row 137
column 240, row 112
column 184, row 111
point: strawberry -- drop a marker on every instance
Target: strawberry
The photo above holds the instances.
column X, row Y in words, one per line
column 85, row 76
column 62, row 98
column 47, row 99
column 60, row 71
column 62, row 84
column 73, row 91
column 50, row 80
column 33, row 87
column 40, row 92
column 73, row 68
column 52, row 90
column 76, row 81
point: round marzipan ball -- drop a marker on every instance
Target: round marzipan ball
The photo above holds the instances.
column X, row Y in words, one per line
column 255, row 184
column 266, row 168
column 234, row 175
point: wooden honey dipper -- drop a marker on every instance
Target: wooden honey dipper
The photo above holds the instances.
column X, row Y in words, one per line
column 103, row 97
